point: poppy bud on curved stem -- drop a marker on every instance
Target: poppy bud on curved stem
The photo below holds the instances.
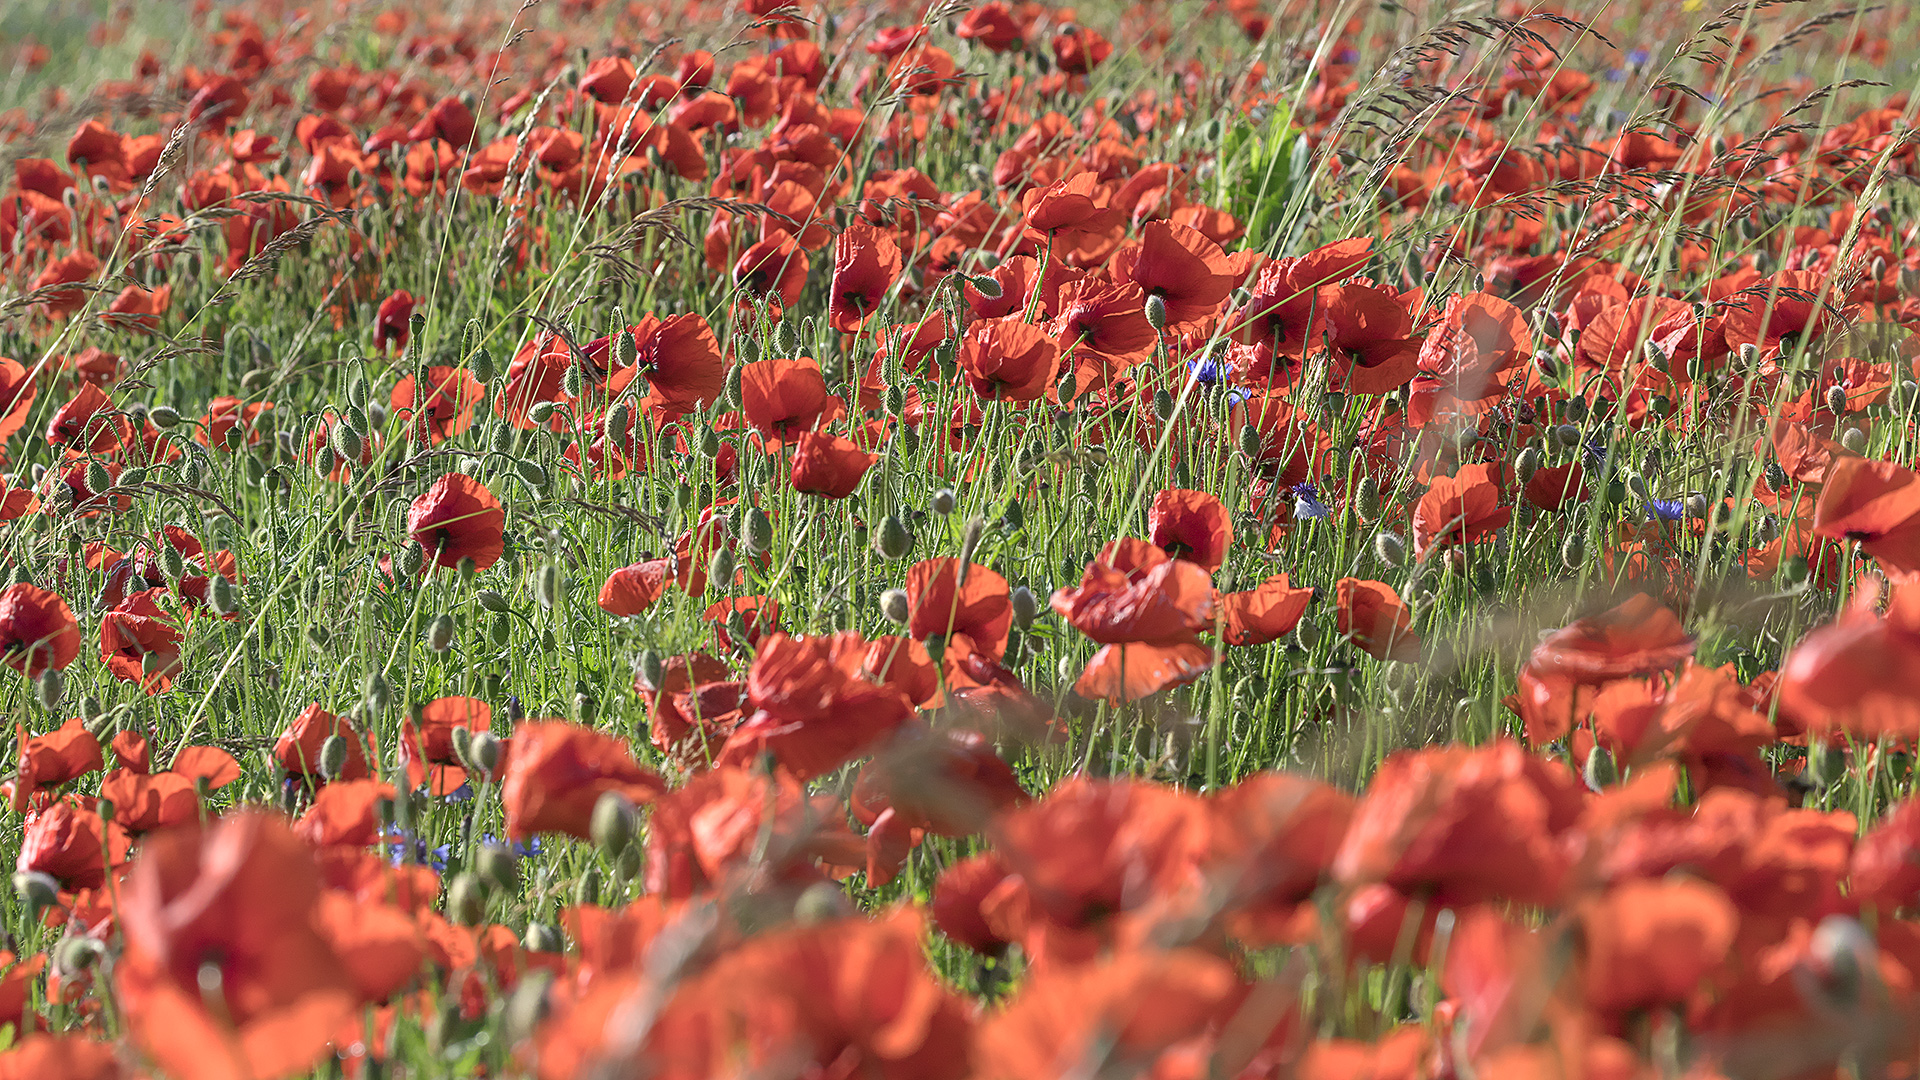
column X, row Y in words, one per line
column 586, row 891
column 440, row 633
column 49, row 687
column 613, row 824
column 720, row 570
column 377, row 693
column 1573, row 553
column 333, row 756
column 1366, row 497
column 892, row 540
column 1156, row 310
column 164, row 417
column 546, row 585
column 466, row 901
column 1854, row 440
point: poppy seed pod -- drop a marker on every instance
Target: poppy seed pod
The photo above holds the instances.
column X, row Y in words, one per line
column 892, row 540
column 1366, row 497
column 573, row 382
column 1527, row 464
column 546, row 586
column 619, row 422
column 376, row 693
column 895, row 606
column 720, row 570
column 1391, row 549
column 164, row 417
column 758, row 533
column 482, row 365
column 1156, row 310
column 614, row 823
column 411, row 560
column 586, row 891
column 49, row 687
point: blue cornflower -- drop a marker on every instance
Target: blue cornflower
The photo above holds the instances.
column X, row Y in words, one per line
column 1667, row 509
column 1307, row 504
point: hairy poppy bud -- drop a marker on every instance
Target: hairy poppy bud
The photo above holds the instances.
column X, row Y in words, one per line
column 820, row 902
column 333, row 756
column 942, row 503
column 650, row 669
column 936, row 647
column 546, row 585
column 1601, row 770
column 1698, row 507
column 892, row 540
column 491, row 600
column 720, row 570
column 376, row 693
column 411, row 560
column 1656, row 355
column 1573, row 551
column 970, row 535
column 1567, row 435
column 894, row 605
column 619, row 422
column 1391, row 549
column 758, row 534
column 98, row 479
column 440, row 633
column 1307, row 634
column 613, row 823
column 1527, row 464
column 586, row 891
column 223, row 596
column 573, row 381
column 1837, row 399
column 466, row 900
column 1546, row 322
column 78, row 952
column 1067, row 387
column 485, row 751
column 497, row 866
column 986, row 286
column 731, row 391
column 37, row 890
column 1366, row 497
column 482, row 365
column 1854, row 440
column 586, row 708
column 164, row 417
column 543, row 938
column 1749, row 354
column 786, row 341
column 462, row 740
column 49, row 687
column 541, row 412
column 1156, row 308
column 1025, row 607
column 346, row 442
column 1163, row 404
column 532, row 472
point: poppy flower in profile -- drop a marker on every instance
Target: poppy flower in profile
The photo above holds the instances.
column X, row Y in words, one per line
column 1640, row 637
column 949, row 599
column 224, row 974
column 948, row 783
column 680, row 359
column 633, row 589
column 88, row 423
column 1460, row 509
column 140, row 642
column 427, row 742
column 1780, row 313
column 1147, row 610
column 828, row 465
column 1008, row 359
column 458, row 518
column 1069, row 207
column 16, row 396
column 446, row 412
column 1552, row 487
column 37, row 630
column 992, row 25
column 959, row 894
column 1103, row 317
column 224, row 414
column 393, row 323
column 556, row 773
column 866, row 261
column 1079, row 50
column 782, row 398
column 1273, row 838
column 775, row 268
column 66, row 753
column 1471, row 823
column 1876, row 503
column 1371, row 615
column 1191, row 525
column 1649, row 944
column 1266, row 612
column 297, row 751
column 345, row 814
column 66, row 841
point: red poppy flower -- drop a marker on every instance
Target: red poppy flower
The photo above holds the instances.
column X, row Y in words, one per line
column 37, row 630
column 782, row 398
column 67, row 270
column 16, row 396
column 1370, row 337
column 1008, row 359
column 1283, row 315
column 298, row 749
column 66, row 841
column 1778, row 313
column 1876, row 503
column 427, row 747
column 39, row 1056
column 1371, row 616
column 1147, row 609
column 1478, row 339
column 991, row 25
column 775, row 268
column 1181, row 268
column 65, row 753
column 556, row 773
column 452, row 393
column 1266, row 612
column 1886, row 862
column 949, row 599
column 959, row 894
column 1103, row 317
column 88, row 424
column 680, row 359
column 1273, row 838
column 224, row 974
column 227, row 413
column 1473, row 824
column 1859, row 674
column 345, row 814
column 1080, row 50
column 1554, row 486
column 1638, row 638
column 1650, row 943
column 1068, row 207
column 752, row 618
column 393, row 323
column 631, row 590
column 812, row 711
column 829, row 465
column 1460, row 509
column 143, row 803
column 140, row 643
column 866, row 260
column 1191, row 525
column 458, row 518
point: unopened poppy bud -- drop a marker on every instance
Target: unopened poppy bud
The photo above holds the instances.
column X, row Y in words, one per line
column 730, row 392
column 1549, row 367
column 412, row 559
column 1163, row 404
column 986, row 286
column 1845, row 958
column 466, row 900
column 491, row 600
column 1067, row 387
column 1910, row 280
column 346, row 442
column 541, row 412
column 895, row 606
column 546, row 586
column 821, row 902
column 1366, row 497
column 573, row 381
column 1826, row 764
column 619, row 422
column 1307, row 634
column 50, row 686
column 1573, row 551
column 1776, row 476
column 98, row 479
column 462, row 740
column 1546, row 322
column 786, row 341
column 376, row 693
column 333, row 756
column 78, row 953
column 1527, row 464
column 1796, row 570
column 758, row 534
column 936, row 647
column 1749, row 354
column 586, row 891
column 1391, row 549
column 36, row 890
column 1854, row 440
column 164, row 417
column 1637, row 484
column 543, row 938
column 482, row 365
column 586, row 709
column 1837, row 399
column 720, row 570
column 497, row 866
column 1466, row 440
column 484, row 753
column 1025, row 607
column 942, row 502
column 613, row 823
column 1656, row 355
column 625, row 349
column 891, row 539
column 1601, row 771
column 531, row 471
column 440, row 633
column 1156, row 311
column 970, row 535
column 710, row 443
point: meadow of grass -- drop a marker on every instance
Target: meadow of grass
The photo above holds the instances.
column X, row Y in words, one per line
column 1176, row 540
